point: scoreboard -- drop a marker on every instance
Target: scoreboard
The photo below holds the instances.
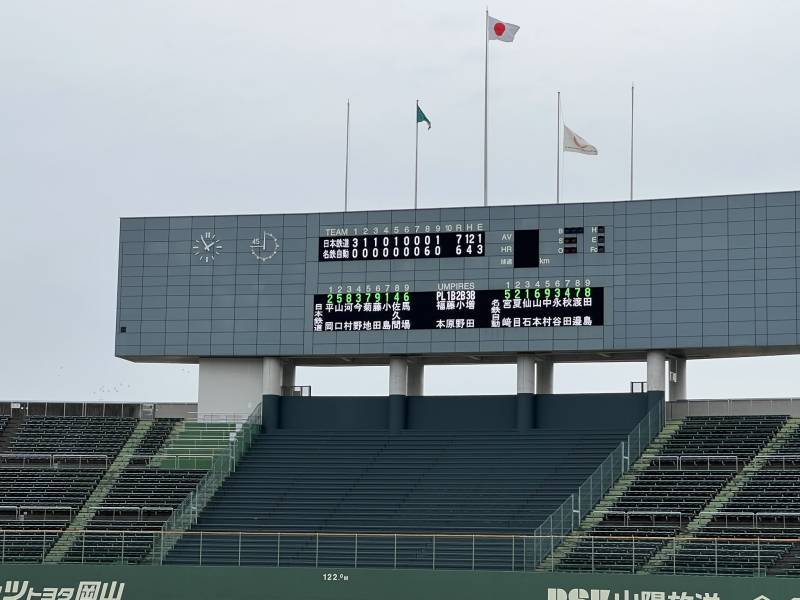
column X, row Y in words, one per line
column 704, row 275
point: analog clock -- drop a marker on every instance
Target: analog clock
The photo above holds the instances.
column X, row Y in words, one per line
column 264, row 247
column 207, row 247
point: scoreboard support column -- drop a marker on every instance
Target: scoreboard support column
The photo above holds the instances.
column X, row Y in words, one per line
column 416, row 378
column 656, row 370
column 677, row 379
column 398, row 393
column 526, row 390
column 544, row 377
column 288, row 377
column 271, row 383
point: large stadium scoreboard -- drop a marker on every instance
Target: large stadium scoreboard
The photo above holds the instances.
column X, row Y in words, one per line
column 674, row 273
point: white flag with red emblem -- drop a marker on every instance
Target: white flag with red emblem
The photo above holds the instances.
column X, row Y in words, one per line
column 500, row 30
column 575, row 143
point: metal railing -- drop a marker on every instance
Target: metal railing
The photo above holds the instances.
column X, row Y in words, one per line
column 732, row 406
column 222, row 464
column 567, row 517
column 744, row 554
column 40, row 459
column 35, row 512
column 704, row 460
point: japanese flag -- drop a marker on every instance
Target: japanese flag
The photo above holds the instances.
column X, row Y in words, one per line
column 499, row 30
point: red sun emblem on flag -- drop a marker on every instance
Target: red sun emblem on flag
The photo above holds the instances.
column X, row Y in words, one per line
column 499, row 29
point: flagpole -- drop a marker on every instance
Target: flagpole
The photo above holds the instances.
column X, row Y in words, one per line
column 416, row 153
column 486, row 111
column 558, row 151
column 631, row 141
column 347, row 155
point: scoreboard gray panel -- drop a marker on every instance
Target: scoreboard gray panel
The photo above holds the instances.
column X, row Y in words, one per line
column 708, row 276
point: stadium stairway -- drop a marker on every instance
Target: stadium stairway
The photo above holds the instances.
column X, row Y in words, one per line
column 662, row 560
column 759, row 489
column 369, row 482
column 623, row 484
column 689, row 473
column 98, row 495
column 194, row 445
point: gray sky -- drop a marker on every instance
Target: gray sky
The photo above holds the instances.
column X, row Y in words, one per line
column 126, row 108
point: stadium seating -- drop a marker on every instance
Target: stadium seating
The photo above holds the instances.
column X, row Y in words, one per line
column 690, row 469
column 153, row 441
column 36, row 504
column 122, row 529
column 72, row 435
column 766, row 507
column 372, row 481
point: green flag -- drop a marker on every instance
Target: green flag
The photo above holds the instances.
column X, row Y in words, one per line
column 421, row 118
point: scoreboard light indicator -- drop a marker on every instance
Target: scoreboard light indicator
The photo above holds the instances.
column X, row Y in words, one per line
column 402, row 246
column 570, row 250
column 459, row 309
column 570, row 240
column 572, row 230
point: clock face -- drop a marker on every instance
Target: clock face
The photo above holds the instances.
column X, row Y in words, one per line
column 207, row 247
column 264, row 247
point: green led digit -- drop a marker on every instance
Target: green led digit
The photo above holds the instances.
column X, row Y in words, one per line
column 587, row 292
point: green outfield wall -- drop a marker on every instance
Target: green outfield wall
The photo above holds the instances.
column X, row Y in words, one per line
column 101, row 582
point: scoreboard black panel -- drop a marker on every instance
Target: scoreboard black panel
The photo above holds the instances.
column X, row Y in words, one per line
column 459, row 309
column 402, row 246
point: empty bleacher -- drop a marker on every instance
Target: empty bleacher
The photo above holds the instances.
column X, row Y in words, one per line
column 154, row 440
column 71, row 435
column 125, row 528
column 36, row 504
column 692, row 467
column 468, row 482
column 753, row 532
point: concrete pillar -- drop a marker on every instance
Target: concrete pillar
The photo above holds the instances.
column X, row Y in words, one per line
column 526, row 374
column 228, row 386
column 416, row 379
column 287, row 377
column 677, row 388
column 398, row 393
column 271, row 380
column 398, row 376
column 656, row 370
column 526, row 387
column 271, row 376
column 544, row 377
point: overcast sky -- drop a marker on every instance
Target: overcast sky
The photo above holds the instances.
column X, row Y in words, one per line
column 159, row 107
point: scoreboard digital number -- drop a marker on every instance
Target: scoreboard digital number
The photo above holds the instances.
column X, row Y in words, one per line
column 459, row 309
column 401, row 246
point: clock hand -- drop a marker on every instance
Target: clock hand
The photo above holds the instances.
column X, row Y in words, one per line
column 206, row 246
column 264, row 244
